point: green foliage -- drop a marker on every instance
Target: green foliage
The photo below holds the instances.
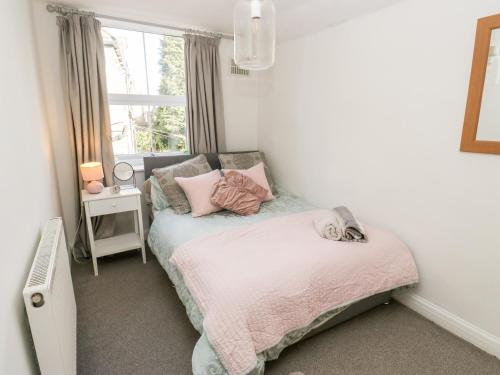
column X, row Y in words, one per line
column 172, row 66
column 169, row 123
column 169, row 129
column 142, row 140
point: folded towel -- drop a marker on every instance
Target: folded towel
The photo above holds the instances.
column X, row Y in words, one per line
column 328, row 225
column 353, row 230
column 339, row 224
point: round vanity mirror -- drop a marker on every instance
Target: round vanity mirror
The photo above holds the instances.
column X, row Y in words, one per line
column 123, row 172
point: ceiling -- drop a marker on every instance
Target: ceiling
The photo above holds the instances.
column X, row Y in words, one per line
column 294, row 17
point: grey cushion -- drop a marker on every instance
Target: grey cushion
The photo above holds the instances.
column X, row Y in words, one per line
column 166, row 178
column 245, row 161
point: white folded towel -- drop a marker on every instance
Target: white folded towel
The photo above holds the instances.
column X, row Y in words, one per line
column 329, row 226
column 340, row 224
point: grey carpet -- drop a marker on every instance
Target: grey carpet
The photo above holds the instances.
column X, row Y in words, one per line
column 130, row 321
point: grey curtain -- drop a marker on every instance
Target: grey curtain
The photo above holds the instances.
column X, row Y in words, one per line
column 86, row 99
column 205, row 110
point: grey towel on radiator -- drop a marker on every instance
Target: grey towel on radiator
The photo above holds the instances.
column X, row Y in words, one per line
column 353, row 230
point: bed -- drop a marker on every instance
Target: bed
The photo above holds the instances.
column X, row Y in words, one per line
column 170, row 231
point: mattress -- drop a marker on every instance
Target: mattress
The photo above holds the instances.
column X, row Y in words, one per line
column 169, row 231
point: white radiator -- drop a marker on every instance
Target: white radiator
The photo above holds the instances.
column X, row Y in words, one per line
column 50, row 303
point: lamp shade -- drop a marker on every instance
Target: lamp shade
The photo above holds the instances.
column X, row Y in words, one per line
column 92, row 171
column 254, row 34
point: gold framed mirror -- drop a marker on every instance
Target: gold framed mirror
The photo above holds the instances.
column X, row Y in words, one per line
column 481, row 131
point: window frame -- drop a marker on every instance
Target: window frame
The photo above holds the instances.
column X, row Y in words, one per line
column 136, row 160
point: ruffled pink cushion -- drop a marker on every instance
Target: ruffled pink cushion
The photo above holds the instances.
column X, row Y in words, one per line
column 258, row 174
column 238, row 193
column 198, row 191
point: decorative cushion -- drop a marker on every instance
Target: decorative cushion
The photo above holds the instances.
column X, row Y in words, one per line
column 245, row 161
column 258, row 174
column 198, row 190
column 166, row 179
column 238, row 193
column 158, row 198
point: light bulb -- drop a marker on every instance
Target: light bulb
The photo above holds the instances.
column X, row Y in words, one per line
column 254, row 37
column 255, row 25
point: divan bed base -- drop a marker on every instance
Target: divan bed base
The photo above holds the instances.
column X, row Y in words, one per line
column 352, row 311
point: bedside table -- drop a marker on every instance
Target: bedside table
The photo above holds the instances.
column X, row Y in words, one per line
column 106, row 203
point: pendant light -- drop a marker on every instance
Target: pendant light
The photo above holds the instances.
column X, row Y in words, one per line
column 254, row 34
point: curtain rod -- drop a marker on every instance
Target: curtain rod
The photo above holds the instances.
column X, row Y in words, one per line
column 51, row 8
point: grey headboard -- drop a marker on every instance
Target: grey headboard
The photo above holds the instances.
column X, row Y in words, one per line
column 152, row 162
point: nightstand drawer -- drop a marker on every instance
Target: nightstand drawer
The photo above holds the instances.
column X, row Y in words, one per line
column 112, row 206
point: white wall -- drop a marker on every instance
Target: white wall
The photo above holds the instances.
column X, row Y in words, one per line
column 240, row 103
column 28, row 191
column 241, row 99
column 369, row 114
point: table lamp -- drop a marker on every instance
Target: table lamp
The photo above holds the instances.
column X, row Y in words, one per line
column 92, row 173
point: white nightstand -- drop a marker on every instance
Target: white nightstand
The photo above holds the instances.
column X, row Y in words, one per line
column 106, row 203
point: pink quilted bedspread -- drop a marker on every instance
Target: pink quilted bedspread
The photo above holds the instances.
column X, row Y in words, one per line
column 255, row 283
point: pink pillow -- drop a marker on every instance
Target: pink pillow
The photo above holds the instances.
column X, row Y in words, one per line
column 258, row 174
column 238, row 193
column 198, row 190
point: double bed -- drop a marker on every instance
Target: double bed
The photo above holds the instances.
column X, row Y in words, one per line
column 170, row 232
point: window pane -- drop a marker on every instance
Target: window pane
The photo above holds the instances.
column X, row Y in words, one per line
column 145, row 64
column 165, row 64
column 142, row 129
column 125, row 66
column 130, row 129
column 169, row 129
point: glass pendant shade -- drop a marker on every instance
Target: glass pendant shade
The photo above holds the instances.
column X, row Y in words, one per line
column 254, row 34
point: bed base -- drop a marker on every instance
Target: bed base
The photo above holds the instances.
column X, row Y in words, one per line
column 352, row 311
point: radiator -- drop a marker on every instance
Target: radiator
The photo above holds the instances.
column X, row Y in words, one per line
column 50, row 303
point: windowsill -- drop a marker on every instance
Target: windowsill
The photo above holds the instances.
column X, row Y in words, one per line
column 136, row 163
column 137, row 160
column 136, row 166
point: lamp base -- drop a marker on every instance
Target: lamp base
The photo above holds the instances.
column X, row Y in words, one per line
column 94, row 187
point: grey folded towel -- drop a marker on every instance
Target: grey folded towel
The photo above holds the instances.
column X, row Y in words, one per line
column 353, row 230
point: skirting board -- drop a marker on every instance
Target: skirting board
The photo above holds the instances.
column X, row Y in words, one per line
column 461, row 328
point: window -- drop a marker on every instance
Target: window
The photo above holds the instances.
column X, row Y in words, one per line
column 146, row 88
